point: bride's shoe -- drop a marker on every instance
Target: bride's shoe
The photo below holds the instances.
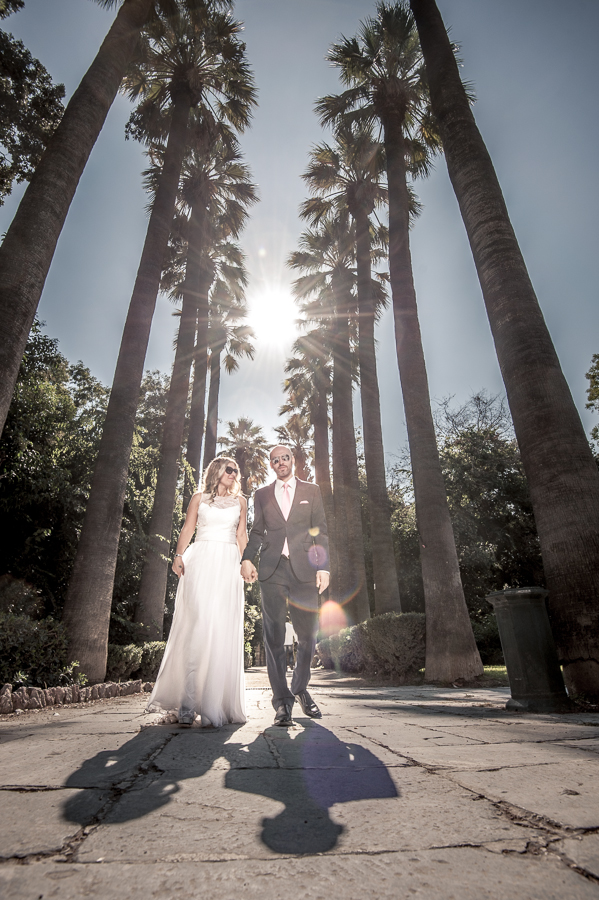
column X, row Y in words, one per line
column 186, row 717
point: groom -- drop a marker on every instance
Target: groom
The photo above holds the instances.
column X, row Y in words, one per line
column 290, row 531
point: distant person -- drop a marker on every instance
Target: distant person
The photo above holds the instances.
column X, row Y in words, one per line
column 290, row 638
column 290, row 531
column 202, row 668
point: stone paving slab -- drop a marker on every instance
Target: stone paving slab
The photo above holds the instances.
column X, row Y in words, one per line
column 439, row 874
column 75, row 760
column 583, row 850
column 34, row 822
column 268, row 812
column 493, row 756
column 389, row 794
column 591, row 746
column 564, row 792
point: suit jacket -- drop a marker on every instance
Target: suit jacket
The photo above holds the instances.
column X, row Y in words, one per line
column 305, row 530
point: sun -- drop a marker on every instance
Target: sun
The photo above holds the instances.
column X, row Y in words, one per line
column 272, row 315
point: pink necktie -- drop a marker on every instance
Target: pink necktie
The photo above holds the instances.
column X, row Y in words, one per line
column 286, row 509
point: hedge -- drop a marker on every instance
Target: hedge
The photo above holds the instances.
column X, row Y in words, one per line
column 32, row 651
column 139, row 660
column 392, row 645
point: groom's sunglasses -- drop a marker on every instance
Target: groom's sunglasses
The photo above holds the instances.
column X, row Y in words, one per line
column 230, row 470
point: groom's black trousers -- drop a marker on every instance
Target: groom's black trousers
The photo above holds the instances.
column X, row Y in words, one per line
column 283, row 586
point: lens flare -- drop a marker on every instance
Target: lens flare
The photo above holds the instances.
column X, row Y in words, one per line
column 332, row 618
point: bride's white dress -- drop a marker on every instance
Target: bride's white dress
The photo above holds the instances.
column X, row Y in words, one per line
column 202, row 668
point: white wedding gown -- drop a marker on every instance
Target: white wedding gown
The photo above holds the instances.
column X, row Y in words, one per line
column 202, row 668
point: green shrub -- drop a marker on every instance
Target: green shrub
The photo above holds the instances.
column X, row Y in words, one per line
column 486, row 635
column 252, row 616
column 123, row 661
column 151, row 657
column 37, row 651
column 392, row 645
column 133, row 660
column 395, row 644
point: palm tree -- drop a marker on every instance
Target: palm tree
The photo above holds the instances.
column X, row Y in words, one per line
column 222, row 187
column 248, row 446
column 30, row 242
column 228, row 338
column 308, row 385
column 295, row 433
column 348, row 175
column 326, row 257
column 383, row 69
column 559, row 466
column 214, row 182
column 185, row 61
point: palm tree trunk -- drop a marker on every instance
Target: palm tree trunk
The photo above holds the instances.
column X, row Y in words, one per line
column 87, row 608
column 212, row 419
column 29, row 245
column 195, row 434
column 561, row 472
column 322, row 473
column 150, row 604
column 350, row 528
column 300, row 465
column 340, row 569
column 386, row 587
column 451, row 650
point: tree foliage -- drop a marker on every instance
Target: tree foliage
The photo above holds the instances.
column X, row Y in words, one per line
column 47, row 451
column 30, row 108
column 593, row 394
column 47, row 454
column 489, row 504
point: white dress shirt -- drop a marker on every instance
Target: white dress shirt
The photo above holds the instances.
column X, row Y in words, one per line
column 279, row 491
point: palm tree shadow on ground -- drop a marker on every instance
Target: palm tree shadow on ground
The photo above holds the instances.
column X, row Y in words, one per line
column 316, row 770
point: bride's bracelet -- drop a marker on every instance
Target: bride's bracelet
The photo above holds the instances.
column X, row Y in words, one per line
column 178, row 554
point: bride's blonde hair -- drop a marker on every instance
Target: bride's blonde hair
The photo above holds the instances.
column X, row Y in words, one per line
column 215, row 472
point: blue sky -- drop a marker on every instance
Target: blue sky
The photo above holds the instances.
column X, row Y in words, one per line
column 535, row 71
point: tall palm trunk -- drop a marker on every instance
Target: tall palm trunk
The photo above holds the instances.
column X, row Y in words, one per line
column 212, row 418
column 386, row 587
column 353, row 580
column 28, row 248
column 340, row 566
column 322, row 473
column 150, row 604
column 241, row 459
column 195, row 436
column 451, row 650
column 561, row 472
column 89, row 598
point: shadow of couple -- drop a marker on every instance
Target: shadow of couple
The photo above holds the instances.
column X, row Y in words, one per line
column 307, row 771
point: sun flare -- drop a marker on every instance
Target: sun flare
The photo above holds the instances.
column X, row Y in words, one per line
column 272, row 315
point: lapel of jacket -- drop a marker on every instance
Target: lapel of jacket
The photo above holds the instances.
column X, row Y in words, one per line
column 273, row 500
column 297, row 496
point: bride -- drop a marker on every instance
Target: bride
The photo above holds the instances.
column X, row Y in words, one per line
column 202, row 668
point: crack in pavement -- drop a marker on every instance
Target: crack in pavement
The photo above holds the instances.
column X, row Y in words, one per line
column 68, row 850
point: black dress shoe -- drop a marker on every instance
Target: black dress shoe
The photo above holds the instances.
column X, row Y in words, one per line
column 308, row 705
column 283, row 715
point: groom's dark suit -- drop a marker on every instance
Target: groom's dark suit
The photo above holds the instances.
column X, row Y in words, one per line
column 292, row 579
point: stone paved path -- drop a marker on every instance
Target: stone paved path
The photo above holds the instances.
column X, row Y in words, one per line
column 397, row 792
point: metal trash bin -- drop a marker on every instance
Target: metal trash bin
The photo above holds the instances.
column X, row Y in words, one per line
column 536, row 680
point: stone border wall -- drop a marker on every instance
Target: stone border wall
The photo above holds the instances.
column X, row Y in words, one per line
column 41, row 698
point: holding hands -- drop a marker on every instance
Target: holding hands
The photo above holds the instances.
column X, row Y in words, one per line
column 248, row 571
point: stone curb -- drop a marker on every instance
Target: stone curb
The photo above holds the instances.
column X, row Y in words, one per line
column 25, row 698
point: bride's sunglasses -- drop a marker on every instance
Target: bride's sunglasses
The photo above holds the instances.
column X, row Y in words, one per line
column 231, row 471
